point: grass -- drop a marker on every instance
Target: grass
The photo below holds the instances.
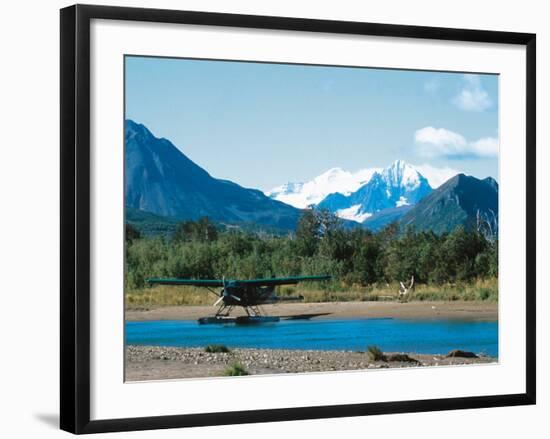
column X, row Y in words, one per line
column 216, row 348
column 375, row 354
column 167, row 295
column 236, row 369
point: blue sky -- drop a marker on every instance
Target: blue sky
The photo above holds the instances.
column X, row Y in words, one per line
column 262, row 125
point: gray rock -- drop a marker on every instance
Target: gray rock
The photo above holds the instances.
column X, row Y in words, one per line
column 402, row 358
column 457, row 353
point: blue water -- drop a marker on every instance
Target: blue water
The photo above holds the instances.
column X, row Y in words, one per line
column 390, row 335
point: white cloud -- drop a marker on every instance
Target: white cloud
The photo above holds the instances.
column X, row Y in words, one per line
column 439, row 142
column 486, row 147
column 445, row 140
column 472, row 96
column 436, row 176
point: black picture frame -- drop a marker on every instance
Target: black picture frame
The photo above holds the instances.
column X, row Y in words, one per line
column 75, row 217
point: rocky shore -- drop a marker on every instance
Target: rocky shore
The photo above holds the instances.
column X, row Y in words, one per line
column 157, row 363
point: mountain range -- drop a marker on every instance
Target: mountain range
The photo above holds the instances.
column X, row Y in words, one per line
column 398, row 185
column 302, row 195
column 163, row 186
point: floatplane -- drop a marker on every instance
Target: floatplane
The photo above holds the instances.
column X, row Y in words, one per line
column 248, row 294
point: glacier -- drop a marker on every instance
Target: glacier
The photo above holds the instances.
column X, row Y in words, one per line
column 335, row 180
column 357, row 195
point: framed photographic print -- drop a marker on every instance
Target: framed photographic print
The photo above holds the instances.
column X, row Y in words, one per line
column 273, row 218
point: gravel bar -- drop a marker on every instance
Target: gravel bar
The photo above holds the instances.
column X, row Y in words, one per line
column 157, row 363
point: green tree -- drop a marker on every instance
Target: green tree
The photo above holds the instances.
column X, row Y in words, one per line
column 307, row 233
column 131, row 233
column 321, row 246
column 202, row 230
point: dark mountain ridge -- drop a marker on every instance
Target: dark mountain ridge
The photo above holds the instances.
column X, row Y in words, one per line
column 456, row 202
column 162, row 180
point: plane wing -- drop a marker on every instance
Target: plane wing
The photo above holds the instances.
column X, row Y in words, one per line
column 220, row 282
column 282, row 280
column 195, row 282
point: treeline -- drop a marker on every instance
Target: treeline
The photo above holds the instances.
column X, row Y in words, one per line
column 321, row 245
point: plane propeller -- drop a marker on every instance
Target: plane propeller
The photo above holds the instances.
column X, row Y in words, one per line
column 224, row 293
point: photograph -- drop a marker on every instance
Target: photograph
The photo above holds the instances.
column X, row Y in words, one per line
column 292, row 218
column 275, row 219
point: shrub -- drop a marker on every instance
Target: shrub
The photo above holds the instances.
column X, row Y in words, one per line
column 375, row 354
column 484, row 294
column 236, row 369
column 216, row 348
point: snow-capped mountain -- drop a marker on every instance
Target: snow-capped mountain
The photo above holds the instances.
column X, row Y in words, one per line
column 400, row 184
column 335, row 180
